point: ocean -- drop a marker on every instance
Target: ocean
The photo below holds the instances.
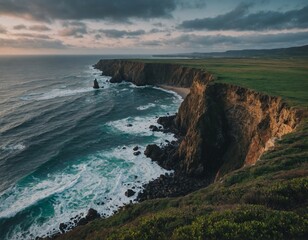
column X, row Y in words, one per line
column 65, row 147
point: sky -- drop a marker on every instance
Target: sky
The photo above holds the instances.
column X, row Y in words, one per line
column 149, row 26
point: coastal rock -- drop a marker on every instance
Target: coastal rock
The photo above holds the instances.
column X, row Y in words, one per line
column 227, row 127
column 63, row 227
column 92, row 214
column 142, row 74
column 137, row 153
column 168, row 124
column 95, row 84
column 135, row 148
column 154, row 128
column 154, row 152
column 130, row 193
column 221, row 127
column 82, row 221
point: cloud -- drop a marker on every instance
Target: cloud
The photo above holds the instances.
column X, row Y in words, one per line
column 31, row 43
column 113, row 33
column 240, row 19
column 298, row 37
column 31, row 35
column 158, row 25
column 2, row 29
column 191, row 4
column 49, row 10
column 74, row 29
column 20, row 27
column 156, row 30
column 39, row 28
column 152, row 43
column 192, row 41
column 97, row 36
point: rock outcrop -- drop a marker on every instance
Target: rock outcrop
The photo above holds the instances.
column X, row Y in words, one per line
column 223, row 127
column 141, row 73
column 95, row 84
column 227, row 127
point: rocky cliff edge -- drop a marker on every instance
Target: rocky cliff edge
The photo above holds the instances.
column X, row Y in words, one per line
column 224, row 127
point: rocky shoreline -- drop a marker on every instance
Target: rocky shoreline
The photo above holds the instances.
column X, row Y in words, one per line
column 170, row 185
column 219, row 127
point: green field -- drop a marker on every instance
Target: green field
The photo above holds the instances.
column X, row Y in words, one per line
column 287, row 78
column 266, row 201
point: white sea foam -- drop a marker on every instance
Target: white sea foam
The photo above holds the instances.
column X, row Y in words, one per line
column 63, row 93
column 99, row 182
column 20, row 198
column 14, row 147
column 134, row 125
column 150, row 105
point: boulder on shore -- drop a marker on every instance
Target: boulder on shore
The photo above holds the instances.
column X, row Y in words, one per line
column 129, row 193
column 92, row 214
column 154, row 152
column 95, row 85
column 137, row 153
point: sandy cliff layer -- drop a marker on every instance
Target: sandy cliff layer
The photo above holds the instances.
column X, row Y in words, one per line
column 224, row 127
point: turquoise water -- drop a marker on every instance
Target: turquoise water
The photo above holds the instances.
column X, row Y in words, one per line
column 65, row 147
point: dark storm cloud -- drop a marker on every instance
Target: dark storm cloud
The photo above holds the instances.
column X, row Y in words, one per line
column 191, row 4
column 31, row 43
column 240, row 19
column 113, row 33
column 118, row 10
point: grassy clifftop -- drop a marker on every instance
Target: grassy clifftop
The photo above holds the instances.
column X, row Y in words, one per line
column 266, row 201
column 287, row 78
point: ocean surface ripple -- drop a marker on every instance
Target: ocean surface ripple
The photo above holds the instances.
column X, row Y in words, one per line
column 65, row 147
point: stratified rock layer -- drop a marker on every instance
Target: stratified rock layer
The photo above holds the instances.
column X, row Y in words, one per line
column 141, row 73
column 224, row 127
column 227, row 127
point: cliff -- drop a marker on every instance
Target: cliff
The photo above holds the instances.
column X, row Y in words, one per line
column 141, row 73
column 224, row 127
column 227, row 127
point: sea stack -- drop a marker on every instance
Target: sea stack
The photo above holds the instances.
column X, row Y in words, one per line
column 95, row 86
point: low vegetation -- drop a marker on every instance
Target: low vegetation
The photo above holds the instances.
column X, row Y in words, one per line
column 266, row 201
column 285, row 77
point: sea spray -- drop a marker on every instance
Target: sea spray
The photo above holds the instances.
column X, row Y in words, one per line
column 65, row 147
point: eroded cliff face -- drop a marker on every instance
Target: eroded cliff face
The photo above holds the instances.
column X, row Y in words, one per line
column 230, row 127
column 141, row 73
column 224, row 127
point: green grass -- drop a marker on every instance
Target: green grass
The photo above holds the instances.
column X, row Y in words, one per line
column 266, row 201
column 287, row 78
